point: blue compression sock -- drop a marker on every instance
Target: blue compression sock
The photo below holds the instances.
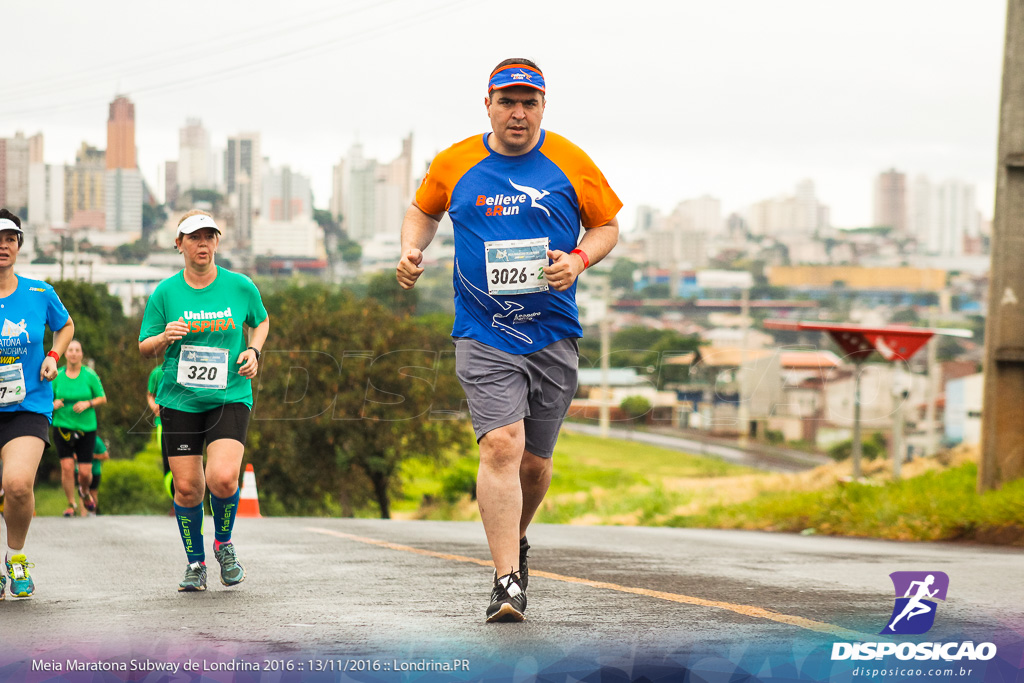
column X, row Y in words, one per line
column 224, row 510
column 190, row 526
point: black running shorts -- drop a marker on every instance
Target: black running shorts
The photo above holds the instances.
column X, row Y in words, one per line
column 71, row 443
column 23, row 423
column 504, row 388
column 185, row 433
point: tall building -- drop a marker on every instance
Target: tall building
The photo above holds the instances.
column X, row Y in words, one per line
column 172, row 187
column 800, row 213
column 46, row 206
column 196, row 164
column 647, row 218
column 15, row 157
column 123, row 182
column 121, row 134
column 35, row 149
column 890, row 206
column 243, row 157
column 286, row 195
column 85, row 205
column 371, row 197
column 285, row 226
column 123, row 195
column 944, row 217
column 703, row 214
column 339, row 181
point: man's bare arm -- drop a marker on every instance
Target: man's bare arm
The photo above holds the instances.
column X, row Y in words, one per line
column 418, row 229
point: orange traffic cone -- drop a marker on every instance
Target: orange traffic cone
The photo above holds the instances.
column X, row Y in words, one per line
column 249, row 498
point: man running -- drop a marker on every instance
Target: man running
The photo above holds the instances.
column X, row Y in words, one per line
column 517, row 197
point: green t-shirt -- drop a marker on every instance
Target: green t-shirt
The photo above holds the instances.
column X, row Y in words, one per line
column 154, row 384
column 86, row 386
column 215, row 340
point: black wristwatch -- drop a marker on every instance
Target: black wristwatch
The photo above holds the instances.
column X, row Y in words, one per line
column 256, row 351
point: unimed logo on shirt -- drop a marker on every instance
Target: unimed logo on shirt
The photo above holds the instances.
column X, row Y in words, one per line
column 209, row 321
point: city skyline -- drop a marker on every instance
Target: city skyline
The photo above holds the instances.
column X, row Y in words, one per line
column 738, row 101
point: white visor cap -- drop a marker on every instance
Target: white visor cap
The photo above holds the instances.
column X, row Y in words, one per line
column 197, row 222
column 8, row 224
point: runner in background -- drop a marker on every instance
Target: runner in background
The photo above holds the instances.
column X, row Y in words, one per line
column 77, row 391
column 99, row 454
column 155, row 377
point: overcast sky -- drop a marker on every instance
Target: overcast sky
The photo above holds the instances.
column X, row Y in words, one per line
column 740, row 99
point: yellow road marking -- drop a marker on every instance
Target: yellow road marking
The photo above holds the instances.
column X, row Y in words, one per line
column 746, row 610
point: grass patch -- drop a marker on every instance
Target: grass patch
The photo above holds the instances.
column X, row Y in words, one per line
column 937, row 505
column 595, row 481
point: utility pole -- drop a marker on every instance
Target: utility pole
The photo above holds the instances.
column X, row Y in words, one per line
column 606, row 392
column 931, row 394
column 1002, row 426
column 743, row 407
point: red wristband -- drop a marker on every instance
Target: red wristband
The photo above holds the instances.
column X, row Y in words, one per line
column 53, row 355
column 583, row 255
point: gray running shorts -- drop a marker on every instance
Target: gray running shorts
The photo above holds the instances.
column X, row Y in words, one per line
column 504, row 388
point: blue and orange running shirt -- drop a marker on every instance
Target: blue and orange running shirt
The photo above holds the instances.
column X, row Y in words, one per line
column 507, row 211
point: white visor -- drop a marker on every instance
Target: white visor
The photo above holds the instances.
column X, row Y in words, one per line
column 8, row 224
column 197, row 222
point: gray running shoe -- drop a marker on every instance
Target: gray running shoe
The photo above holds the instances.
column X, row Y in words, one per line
column 195, row 578
column 231, row 571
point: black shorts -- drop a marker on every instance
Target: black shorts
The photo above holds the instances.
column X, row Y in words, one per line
column 186, row 433
column 23, row 423
column 72, row 443
column 95, row 482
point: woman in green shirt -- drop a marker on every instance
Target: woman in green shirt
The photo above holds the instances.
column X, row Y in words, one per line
column 76, row 393
column 194, row 320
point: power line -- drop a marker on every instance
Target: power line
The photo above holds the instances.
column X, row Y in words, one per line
column 117, row 68
column 256, row 65
column 168, row 58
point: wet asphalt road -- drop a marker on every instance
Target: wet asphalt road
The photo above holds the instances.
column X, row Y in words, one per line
column 107, row 585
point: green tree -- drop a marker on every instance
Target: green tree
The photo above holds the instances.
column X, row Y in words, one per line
column 212, row 197
column 874, row 447
column 656, row 291
column 326, row 221
column 133, row 252
column 635, row 407
column 622, row 274
column 152, row 218
column 384, row 288
column 111, row 341
column 351, row 252
column 344, row 396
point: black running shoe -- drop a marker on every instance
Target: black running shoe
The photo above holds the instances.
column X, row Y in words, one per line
column 508, row 599
column 524, row 568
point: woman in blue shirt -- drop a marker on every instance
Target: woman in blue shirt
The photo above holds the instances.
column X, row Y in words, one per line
column 27, row 307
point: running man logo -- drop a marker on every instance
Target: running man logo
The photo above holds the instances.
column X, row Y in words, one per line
column 15, row 329
column 521, row 75
column 914, row 612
